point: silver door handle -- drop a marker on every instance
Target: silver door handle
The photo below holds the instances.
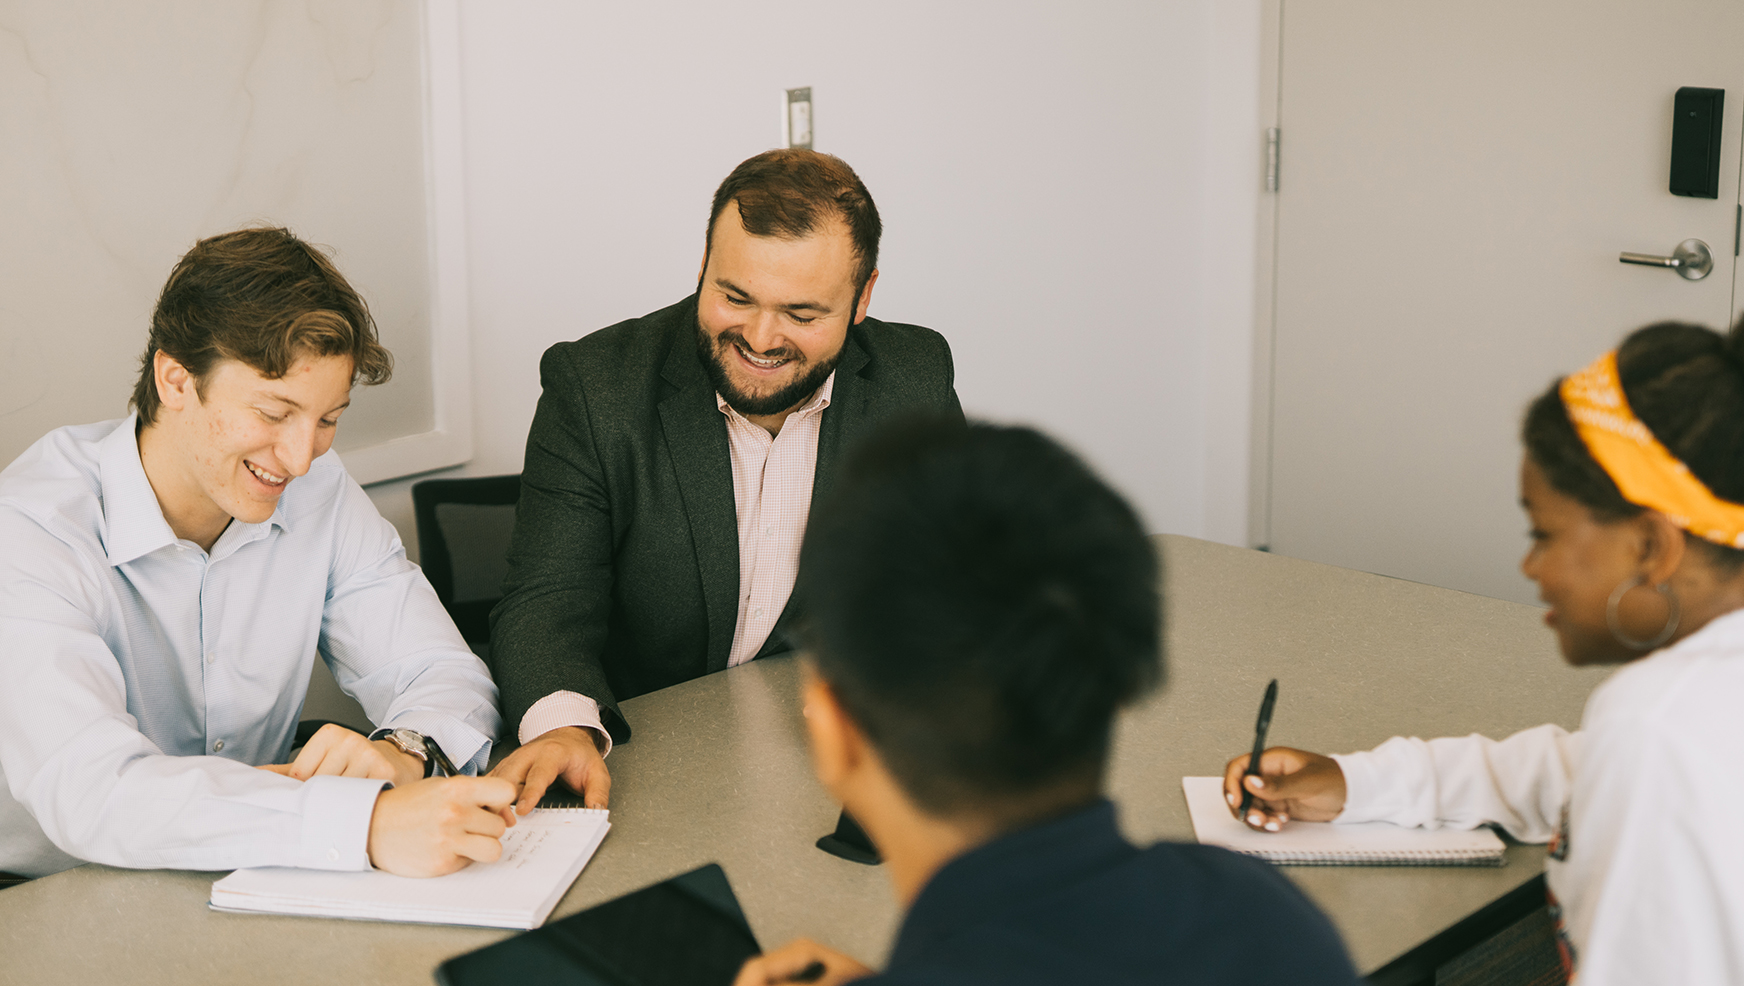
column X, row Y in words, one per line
column 1692, row 259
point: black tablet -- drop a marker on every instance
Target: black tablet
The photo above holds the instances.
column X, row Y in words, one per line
column 686, row 931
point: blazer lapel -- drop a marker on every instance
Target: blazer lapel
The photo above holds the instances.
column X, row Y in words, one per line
column 843, row 421
column 696, row 438
column 844, row 418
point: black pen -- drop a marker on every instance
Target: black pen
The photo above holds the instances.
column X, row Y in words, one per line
column 1253, row 762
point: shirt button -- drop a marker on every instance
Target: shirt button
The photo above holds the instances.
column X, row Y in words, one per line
column 333, row 854
column 756, row 612
column 768, row 531
column 218, row 747
column 211, row 657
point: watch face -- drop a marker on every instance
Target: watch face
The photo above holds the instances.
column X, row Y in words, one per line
column 410, row 741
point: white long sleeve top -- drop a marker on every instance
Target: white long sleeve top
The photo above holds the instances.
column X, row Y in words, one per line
column 142, row 678
column 1644, row 809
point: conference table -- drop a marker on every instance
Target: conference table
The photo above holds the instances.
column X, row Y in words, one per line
column 718, row 772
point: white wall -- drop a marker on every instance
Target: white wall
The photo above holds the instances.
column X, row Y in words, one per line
column 128, row 131
column 1069, row 194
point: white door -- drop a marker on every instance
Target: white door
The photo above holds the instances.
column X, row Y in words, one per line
column 1457, row 181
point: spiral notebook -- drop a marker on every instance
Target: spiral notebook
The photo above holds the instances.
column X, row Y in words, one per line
column 542, row 855
column 1326, row 844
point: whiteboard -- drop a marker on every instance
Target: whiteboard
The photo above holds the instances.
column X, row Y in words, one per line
column 131, row 130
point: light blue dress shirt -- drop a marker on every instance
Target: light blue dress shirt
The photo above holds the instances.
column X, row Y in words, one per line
column 141, row 677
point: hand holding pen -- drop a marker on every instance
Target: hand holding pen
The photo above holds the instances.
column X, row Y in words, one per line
column 1268, row 787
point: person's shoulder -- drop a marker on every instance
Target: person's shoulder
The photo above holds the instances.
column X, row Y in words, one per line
column 59, row 476
column 1678, row 700
column 1209, row 870
column 51, row 500
column 624, row 346
column 912, row 362
column 1190, row 909
column 1215, row 898
column 1668, row 686
column 1211, row 877
column 901, row 341
column 326, row 485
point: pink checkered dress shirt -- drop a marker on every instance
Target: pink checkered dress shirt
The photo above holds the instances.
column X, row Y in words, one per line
column 772, row 483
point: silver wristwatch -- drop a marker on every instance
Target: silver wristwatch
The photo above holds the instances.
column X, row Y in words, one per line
column 415, row 743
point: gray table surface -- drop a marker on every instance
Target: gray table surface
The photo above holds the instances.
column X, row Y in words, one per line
column 718, row 772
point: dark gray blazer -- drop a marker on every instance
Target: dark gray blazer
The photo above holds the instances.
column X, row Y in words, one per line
column 624, row 566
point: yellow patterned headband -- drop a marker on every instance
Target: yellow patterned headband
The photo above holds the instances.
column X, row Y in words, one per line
column 1646, row 473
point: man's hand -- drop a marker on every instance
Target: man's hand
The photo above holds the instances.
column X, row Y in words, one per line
column 1290, row 784
column 568, row 752
column 341, row 752
column 801, row 961
column 440, row 824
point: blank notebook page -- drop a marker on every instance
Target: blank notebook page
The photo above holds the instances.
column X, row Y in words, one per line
column 542, row 855
column 1327, row 844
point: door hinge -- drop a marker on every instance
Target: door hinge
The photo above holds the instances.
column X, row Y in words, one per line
column 1272, row 159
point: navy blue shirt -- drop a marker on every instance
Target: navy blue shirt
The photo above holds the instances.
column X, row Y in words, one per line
column 1072, row 901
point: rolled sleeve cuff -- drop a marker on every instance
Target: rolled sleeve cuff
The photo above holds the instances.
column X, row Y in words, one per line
column 560, row 709
column 466, row 746
column 1361, row 788
column 1394, row 782
column 336, row 816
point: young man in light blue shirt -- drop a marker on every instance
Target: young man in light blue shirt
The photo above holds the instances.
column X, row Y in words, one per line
column 168, row 579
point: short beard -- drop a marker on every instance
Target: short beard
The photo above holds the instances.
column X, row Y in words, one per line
column 711, row 351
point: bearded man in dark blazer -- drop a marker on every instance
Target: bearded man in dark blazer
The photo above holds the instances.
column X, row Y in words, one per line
column 674, row 458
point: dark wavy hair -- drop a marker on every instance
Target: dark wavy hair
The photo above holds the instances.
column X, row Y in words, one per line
column 982, row 604
column 262, row 297
column 1686, row 384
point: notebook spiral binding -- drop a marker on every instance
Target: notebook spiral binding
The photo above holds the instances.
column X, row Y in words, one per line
column 1379, row 859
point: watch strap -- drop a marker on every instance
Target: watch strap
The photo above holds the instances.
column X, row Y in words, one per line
column 414, row 744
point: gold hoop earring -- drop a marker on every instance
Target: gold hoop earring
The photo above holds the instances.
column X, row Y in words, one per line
column 1616, row 600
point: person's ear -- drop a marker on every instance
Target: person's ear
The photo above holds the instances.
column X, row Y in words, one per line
column 865, row 298
column 708, row 247
column 176, row 387
column 1663, row 546
column 838, row 748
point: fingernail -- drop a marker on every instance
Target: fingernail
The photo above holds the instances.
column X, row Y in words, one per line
column 1271, row 826
column 1253, row 819
column 1230, row 798
column 1257, row 782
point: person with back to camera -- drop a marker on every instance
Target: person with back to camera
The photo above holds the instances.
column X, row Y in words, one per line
column 1633, row 479
column 979, row 606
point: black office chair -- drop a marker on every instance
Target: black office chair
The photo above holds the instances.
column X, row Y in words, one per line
column 463, row 542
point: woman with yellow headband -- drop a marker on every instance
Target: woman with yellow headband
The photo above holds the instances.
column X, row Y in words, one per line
column 1634, row 482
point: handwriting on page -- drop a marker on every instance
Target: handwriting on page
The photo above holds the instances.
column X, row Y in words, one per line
column 523, row 844
column 521, row 847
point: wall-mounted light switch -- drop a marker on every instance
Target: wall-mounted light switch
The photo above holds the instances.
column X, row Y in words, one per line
column 796, row 118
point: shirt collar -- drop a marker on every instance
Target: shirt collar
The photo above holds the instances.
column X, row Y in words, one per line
column 1020, row 867
column 133, row 522
column 819, row 400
